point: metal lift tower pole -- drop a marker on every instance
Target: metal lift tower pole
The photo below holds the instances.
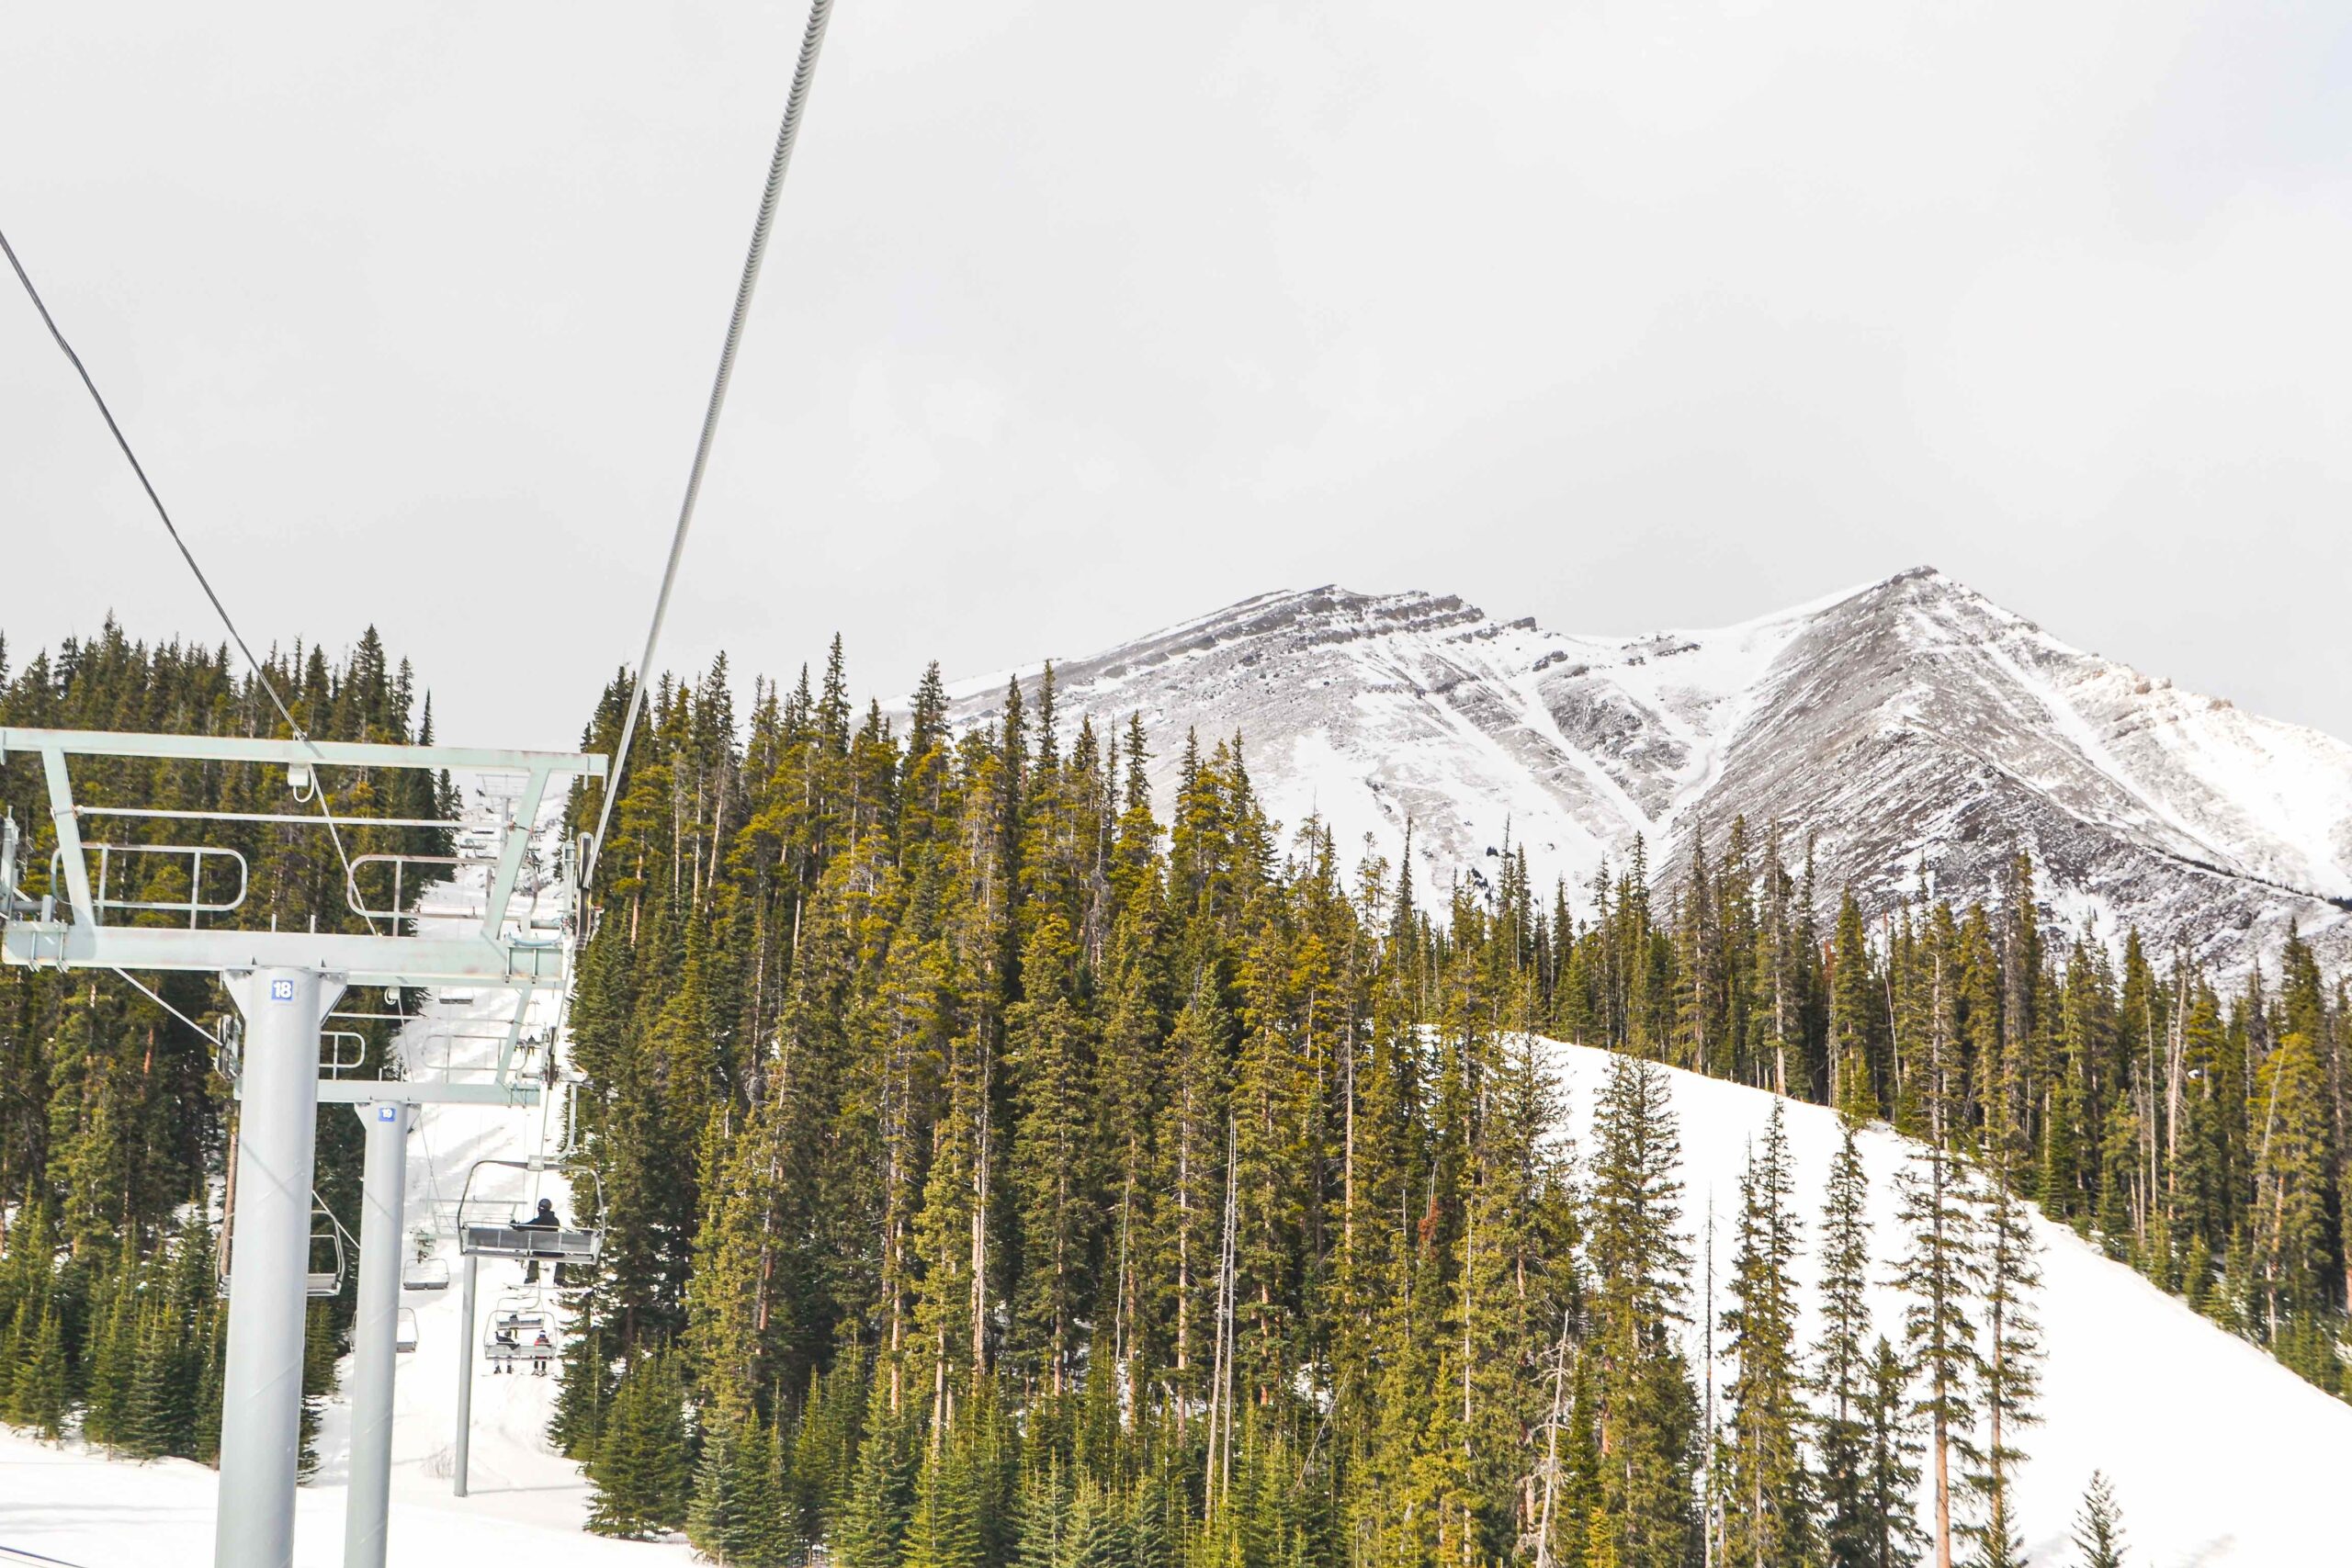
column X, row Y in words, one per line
column 376, row 1331
column 261, row 1415
column 465, row 1379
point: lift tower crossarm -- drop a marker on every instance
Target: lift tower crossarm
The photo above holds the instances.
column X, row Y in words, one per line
column 336, row 753
column 362, row 960
column 487, row 957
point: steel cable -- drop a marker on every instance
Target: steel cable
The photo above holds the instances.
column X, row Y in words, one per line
column 803, row 74
column 122, row 441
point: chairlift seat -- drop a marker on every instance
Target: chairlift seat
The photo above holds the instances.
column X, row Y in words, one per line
column 508, row 1336
column 318, row 1287
column 432, row 1274
column 545, row 1243
column 405, row 1331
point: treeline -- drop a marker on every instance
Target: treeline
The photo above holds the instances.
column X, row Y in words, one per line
column 114, row 1125
column 995, row 1170
column 2199, row 1134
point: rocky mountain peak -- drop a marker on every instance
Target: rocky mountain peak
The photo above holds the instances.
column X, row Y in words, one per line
column 1915, row 733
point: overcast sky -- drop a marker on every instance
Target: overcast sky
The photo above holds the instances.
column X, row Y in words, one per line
column 1083, row 317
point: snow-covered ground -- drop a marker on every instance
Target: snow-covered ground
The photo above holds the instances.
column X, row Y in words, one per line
column 2219, row 1455
column 526, row 1505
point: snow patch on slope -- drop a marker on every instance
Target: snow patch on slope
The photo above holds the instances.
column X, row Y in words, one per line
column 2219, row 1456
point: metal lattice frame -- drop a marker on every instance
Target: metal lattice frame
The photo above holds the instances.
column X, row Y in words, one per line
column 78, row 937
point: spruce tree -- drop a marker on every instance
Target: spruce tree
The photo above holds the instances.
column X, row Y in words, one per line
column 1044, row 1519
column 945, row 1529
column 39, row 1397
column 1842, row 1378
column 642, row 1472
column 733, row 1517
column 870, row 1529
column 1767, row 1492
column 2009, row 1368
column 2099, row 1527
column 1887, row 1533
column 1647, row 1410
column 584, row 1391
column 823, row 1458
column 1943, row 1274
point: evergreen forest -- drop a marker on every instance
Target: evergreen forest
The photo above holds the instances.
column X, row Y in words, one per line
column 115, row 1125
column 1003, row 1166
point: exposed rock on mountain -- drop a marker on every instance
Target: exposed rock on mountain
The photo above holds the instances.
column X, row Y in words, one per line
column 1917, row 732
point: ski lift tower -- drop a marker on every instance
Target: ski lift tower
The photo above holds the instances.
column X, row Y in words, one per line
column 285, row 983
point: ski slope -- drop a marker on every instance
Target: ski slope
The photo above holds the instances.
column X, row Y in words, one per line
column 527, row 1505
column 2219, row 1455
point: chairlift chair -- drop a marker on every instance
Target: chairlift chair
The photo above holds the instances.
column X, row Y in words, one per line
column 494, row 1228
column 326, row 1247
column 427, row 1274
column 515, row 1320
column 320, row 1284
column 405, row 1331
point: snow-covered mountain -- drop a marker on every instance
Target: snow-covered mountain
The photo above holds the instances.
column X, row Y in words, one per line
column 1913, row 728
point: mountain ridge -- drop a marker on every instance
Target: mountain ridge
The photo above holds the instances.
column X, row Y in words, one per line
column 1914, row 731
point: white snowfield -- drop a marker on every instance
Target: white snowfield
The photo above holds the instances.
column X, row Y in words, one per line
column 2219, row 1455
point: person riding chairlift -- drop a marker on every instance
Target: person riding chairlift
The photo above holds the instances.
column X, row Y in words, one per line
column 540, row 1350
column 544, row 1220
column 503, row 1339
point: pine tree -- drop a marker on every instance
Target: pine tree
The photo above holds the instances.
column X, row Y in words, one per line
column 1887, row 1533
column 1943, row 1274
column 1842, row 1382
column 734, row 1516
column 1767, row 1492
column 642, row 1470
column 2099, row 1527
column 1647, row 1410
